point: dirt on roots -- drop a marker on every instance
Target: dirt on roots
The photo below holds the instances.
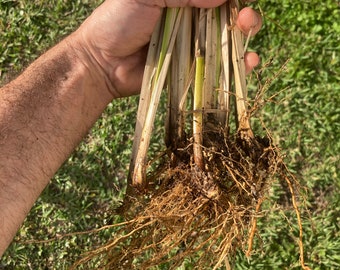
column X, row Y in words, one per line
column 194, row 214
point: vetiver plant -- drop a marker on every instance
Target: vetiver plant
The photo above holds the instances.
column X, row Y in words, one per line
column 202, row 201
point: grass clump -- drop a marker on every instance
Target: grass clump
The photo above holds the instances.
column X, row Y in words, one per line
column 203, row 200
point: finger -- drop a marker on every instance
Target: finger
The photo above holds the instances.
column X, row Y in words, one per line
column 249, row 20
column 251, row 60
column 183, row 3
column 204, row 3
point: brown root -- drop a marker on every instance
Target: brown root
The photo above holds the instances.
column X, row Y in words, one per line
column 190, row 213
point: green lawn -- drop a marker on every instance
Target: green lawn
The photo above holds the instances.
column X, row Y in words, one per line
column 304, row 118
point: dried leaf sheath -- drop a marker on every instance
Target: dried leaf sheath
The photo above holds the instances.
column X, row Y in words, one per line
column 145, row 122
column 178, row 83
column 226, row 69
column 239, row 70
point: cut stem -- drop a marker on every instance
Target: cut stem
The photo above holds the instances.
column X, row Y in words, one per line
column 226, row 77
column 198, row 112
column 200, row 46
column 139, row 159
column 239, row 75
column 178, row 82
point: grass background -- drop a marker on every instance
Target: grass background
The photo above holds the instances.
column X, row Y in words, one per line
column 304, row 119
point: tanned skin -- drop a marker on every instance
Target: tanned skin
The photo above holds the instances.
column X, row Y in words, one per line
column 47, row 110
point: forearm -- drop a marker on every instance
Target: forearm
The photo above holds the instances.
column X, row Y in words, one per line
column 44, row 114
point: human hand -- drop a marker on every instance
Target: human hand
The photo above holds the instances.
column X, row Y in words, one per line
column 116, row 36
